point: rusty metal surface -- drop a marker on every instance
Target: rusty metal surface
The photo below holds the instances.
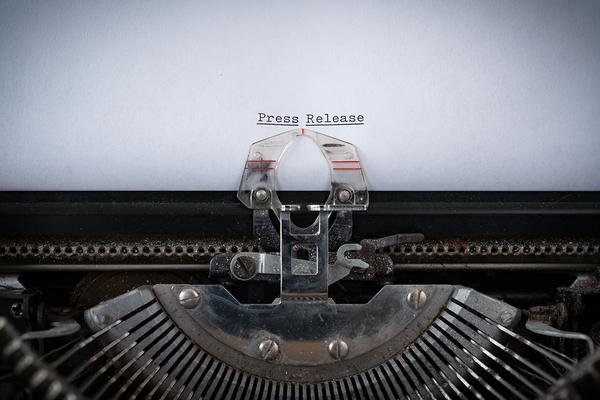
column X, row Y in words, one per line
column 184, row 250
column 97, row 287
column 117, row 250
column 498, row 250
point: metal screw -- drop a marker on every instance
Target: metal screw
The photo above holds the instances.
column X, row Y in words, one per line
column 268, row 349
column 507, row 317
column 344, row 195
column 17, row 310
column 417, row 298
column 244, row 268
column 261, row 195
column 338, row 349
column 189, row 298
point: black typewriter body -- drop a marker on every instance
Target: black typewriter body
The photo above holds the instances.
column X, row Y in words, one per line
column 73, row 251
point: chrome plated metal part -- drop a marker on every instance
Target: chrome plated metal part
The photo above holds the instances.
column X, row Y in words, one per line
column 547, row 330
column 268, row 349
column 338, row 349
column 59, row 328
column 258, row 191
column 305, row 286
column 302, row 329
column 416, row 298
column 245, row 266
column 189, row 298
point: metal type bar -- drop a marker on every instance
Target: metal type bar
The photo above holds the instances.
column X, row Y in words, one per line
column 441, row 332
column 485, row 328
column 457, row 356
column 533, row 345
column 131, row 379
column 187, row 370
column 478, row 341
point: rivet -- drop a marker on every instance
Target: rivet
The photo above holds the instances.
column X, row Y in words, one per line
column 344, row 195
column 261, row 195
column 338, row 349
column 268, row 349
column 189, row 298
column 257, row 154
column 348, row 155
column 416, row 298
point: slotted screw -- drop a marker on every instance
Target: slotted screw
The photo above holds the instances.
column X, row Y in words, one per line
column 416, row 298
column 244, row 268
column 189, row 298
column 268, row 349
column 338, row 349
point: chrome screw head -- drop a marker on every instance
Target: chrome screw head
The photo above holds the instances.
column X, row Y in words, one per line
column 261, row 195
column 338, row 349
column 268, row 349
column 189, row 298
column 416, row 298
column 344, row 195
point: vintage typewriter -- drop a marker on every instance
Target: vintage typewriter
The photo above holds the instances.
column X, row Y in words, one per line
column 263, row 294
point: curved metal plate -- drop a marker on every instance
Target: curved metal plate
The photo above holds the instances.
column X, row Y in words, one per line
column 461, row 348
column 303, row 330
column 374, row 332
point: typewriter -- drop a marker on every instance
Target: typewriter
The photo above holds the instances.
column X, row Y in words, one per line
column 267, row 294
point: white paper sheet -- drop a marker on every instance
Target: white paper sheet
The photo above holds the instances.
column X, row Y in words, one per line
column 160, row 95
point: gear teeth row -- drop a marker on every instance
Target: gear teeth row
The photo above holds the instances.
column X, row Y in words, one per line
column 188, row 250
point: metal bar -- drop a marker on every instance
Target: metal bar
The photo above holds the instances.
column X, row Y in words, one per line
column 544, row 329
column 221, row 213
column 494, row 266
column 7, row 268
column 16, row 268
